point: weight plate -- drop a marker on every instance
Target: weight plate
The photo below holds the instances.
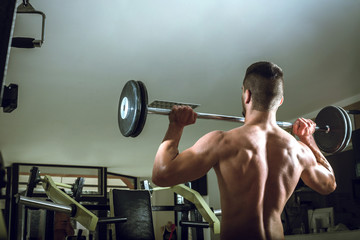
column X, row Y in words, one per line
column 343, row 145
column 143, row 109
column 334, row 140
column 349, row 128
column 129, row 108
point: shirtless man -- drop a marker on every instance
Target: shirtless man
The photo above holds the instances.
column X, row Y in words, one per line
column 258, row 165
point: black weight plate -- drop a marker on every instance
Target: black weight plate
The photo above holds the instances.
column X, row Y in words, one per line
column 349, row 128
column 143, row 109
column 334, row 140
column 129, row 108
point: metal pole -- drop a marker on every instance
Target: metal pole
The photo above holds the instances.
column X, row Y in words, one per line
column 194, row 224
column 35, row 203
column 63, row 185
column 217, row 212
column 163, row 111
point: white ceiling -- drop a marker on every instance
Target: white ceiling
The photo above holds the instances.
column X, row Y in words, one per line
column 187, row 51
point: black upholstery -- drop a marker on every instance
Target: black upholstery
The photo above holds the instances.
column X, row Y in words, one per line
column 135, row 205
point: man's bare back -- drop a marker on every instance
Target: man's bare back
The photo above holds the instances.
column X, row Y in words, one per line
column 256, row 181
column 257, row 165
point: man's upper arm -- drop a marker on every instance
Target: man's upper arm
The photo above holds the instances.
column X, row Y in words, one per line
column 315, row 175
column 193, row 162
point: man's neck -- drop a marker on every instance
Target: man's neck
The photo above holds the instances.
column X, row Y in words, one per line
column 255, row 117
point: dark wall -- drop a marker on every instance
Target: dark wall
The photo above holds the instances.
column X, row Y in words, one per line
column 346, row 207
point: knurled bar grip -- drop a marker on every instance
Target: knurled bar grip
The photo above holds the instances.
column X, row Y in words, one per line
column 163, row 111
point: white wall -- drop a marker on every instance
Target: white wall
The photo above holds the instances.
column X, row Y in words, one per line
column 161, row 218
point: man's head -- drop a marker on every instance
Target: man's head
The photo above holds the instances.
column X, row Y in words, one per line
column 264, row 81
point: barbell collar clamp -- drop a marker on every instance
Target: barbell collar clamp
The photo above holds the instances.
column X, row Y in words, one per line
column 325, row 129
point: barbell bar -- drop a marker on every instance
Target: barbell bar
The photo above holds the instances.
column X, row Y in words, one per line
column 333, row 130
column 162, row 111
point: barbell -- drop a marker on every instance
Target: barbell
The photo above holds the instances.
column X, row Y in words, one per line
column 333, row 124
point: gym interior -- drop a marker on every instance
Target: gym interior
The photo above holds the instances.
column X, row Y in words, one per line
column 67, row 170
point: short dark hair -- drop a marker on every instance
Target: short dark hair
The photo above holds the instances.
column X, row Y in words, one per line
column 266, row 84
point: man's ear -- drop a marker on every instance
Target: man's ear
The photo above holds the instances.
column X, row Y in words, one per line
column 281, row 101
column 247, row 96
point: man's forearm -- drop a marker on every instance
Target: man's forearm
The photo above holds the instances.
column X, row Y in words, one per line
column 174, row 133
column 320, row 158
column 168, row 150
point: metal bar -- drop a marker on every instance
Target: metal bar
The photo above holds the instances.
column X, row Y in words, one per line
column 194, row 224
column 13, row 230
column 281, row 124
column 217, row 212
column 108, row 220
column 353, row 112
column 64, row 185
column 35, row 203
column 102, row 228
column 162, row 111
column 102, row 207
column 176, row 208
column 322, row 129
